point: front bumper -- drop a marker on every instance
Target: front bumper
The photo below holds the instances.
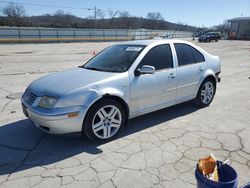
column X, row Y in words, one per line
column 218, row 79
column 58, row 120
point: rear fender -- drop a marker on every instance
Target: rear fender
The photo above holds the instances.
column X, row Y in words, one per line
column 206, row 74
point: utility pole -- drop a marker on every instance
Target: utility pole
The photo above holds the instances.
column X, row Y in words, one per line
column 95, row 17
column 112, row 19
column 95, row 12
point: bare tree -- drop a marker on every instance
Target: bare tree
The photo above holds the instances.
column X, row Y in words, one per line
column 124, row 14
column 155, row 21
column 100, row 14
column 110, row 13
column 62, row 19
column 155, row 16
column 125, row 21
column 15, row 14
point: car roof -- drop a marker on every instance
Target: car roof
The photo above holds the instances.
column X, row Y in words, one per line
column 213, row 32
column 156, row 42
column 149, row 42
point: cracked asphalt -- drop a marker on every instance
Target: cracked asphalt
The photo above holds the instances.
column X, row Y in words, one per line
column 160, row 149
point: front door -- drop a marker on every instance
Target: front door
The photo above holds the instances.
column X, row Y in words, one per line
column 153, row 91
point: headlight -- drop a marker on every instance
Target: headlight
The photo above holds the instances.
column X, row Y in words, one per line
column 47, row 102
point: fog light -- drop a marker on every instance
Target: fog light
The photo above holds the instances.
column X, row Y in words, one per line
column 74, row 114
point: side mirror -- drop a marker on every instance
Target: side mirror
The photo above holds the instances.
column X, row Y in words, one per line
column 145, row 69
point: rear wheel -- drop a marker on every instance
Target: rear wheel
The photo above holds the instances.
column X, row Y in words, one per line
column 206, row 93
column 104, row 120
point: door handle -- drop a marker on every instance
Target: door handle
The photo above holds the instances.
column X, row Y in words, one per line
column 200, row 69
column 172, row 75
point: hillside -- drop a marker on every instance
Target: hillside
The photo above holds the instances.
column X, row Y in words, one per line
column 116, row 23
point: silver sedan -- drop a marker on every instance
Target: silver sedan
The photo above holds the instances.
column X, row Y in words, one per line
column 121, row 82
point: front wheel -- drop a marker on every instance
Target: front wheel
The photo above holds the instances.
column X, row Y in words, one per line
column 104, row 120
column 206, row 93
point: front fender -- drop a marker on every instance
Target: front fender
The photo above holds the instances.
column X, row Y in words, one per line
column 94, row 95
column 108, row 92
column 89, row 95
column 80, row 98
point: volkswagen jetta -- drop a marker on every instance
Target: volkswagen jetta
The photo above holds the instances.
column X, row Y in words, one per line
column 123, row 81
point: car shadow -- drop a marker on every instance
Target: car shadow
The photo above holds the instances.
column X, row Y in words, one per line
column 23, row 146
column 158, row 117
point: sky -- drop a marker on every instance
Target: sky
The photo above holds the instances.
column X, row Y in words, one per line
column 192, row 12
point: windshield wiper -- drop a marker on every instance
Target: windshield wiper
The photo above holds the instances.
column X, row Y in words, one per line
column 93, row 68
column 99, row 69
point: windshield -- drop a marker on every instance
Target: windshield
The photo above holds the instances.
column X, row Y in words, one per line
column 117, row 58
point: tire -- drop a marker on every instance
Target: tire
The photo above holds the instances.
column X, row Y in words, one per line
column 104, row 120
column 206, row 93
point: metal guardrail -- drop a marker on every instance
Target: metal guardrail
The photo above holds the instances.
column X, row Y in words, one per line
column 32, row 34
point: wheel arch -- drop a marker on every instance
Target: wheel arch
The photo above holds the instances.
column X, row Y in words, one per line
column 109, row 96
column 209, row 76
column 120, row 100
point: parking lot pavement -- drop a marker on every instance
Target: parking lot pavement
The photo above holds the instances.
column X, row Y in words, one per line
column 160, row 149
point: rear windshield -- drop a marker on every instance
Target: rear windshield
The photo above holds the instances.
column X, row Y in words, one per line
column 117, row 58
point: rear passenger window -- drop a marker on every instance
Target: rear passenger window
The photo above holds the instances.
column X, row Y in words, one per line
column 198, row 56
column 188, row 55
column 184, row 54
column 160, row 57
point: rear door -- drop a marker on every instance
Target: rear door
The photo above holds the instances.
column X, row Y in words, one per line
column 191, row 64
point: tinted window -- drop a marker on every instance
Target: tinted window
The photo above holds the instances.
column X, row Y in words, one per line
column 184, row 54
column 160, row 57
column 198, row 56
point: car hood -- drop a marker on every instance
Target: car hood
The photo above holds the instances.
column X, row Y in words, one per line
column 57, row 84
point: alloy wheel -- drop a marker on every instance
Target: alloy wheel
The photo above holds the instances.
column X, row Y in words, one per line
column 207, row 92
column 106, row 122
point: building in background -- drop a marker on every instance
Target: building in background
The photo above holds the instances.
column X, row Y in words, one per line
column 239, row 28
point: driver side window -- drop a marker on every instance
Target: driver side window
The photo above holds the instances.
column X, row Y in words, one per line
column 160, row 57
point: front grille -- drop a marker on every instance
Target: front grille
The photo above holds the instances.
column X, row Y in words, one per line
column 30, row 97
